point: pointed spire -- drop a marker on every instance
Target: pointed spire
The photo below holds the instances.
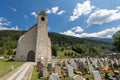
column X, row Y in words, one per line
column 42, row 12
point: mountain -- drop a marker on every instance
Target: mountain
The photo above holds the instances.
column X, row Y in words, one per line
column 83, row 46
column 110, row 40
column 62, row 45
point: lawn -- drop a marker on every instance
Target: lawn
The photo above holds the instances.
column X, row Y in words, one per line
column 5, row 67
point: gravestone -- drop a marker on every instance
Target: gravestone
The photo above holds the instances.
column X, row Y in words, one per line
column 81, row 68
column 72, row 62
column 116, row 61
column 100, row 67
column 65, row 73
column 39, row 67
column 101, row 63
column 106, row 63
column 77, row 77
column 76, row 60
column 59, row 63
column 66, row 63
column 90, row 68
column 40, row 74
column 45, row 73
column 115, row 65
column 54, row 76
column 70, row 71
column 49, row 67
column 53, row 63
column 58, row 70
column 46, row 62
column 75, row 66
column 96, row 75
column 94, row 62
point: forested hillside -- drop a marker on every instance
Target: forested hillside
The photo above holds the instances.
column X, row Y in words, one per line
column 72, row 46
column 8, row 41
column 61, row 45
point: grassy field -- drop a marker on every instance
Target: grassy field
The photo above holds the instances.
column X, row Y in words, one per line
column 61, row 53
column 5, row 67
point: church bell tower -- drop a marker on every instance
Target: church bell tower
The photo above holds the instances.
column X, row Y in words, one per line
column 43, row 43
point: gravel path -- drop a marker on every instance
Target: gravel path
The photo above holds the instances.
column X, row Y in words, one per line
column 21, row 72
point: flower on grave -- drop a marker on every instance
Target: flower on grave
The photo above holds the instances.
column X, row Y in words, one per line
column 79, row 73
column 105, row 68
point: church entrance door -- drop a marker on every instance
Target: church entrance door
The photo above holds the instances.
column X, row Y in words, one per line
column 31, row 56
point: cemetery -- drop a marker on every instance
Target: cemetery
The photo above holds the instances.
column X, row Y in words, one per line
column 79, row 69
column 70, row 69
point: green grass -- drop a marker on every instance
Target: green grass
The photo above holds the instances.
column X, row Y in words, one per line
column 35, row 73
column 61, row 53
column 88, row 76
column 5, row 67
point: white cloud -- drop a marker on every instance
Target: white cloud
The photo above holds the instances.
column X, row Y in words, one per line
column 48, row 11
column 72, row 31
column 103, row 16
column 81, row 9
column 61, row 12
column 77, row 29
column 13, row 9
column 118, row 7
column 107, row 33
column 34, row 14
column 4, row 23
column 11, row 28
column 55, row 10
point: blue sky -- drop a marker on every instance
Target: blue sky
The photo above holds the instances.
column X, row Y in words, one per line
column 80, row 18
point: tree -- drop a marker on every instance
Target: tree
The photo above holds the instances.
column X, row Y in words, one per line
column 77, row 48
column 10, row 52
column 54, row 51
column 116, row 38
column 65, row 54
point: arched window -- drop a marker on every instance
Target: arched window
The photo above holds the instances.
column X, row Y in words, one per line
column 42, row 19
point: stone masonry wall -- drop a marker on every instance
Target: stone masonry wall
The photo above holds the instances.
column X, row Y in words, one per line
column 26, row 43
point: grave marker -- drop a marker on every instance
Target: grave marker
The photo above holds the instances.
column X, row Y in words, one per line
column 70, row 71
column 77, row 77
column 58, row 70
column 96, row 75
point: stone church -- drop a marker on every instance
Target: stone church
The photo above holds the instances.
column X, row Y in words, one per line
column 35, row 45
